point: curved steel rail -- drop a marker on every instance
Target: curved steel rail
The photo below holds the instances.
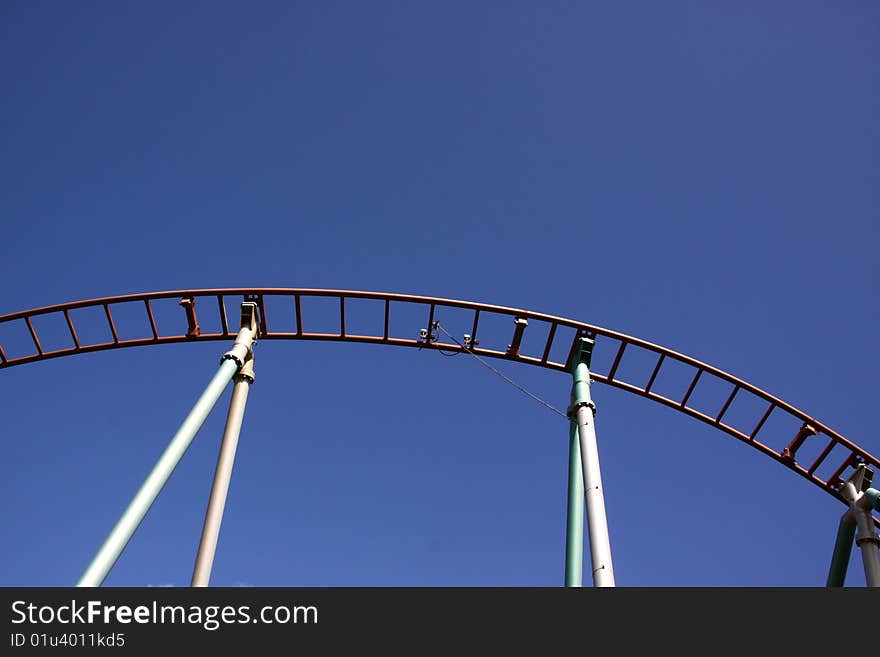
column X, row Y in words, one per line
column 616, row 343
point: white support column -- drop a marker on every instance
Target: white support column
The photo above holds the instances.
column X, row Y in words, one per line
column 222, row 476
column 584, row 411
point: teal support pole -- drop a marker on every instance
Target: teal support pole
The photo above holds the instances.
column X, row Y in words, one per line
column 125, row 527
column 872, row 499
column 857, row 526
column 574, row 530
column 583, row 411
column 846, row 533
column 134, row 514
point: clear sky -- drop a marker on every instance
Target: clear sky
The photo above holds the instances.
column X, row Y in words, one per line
column 703, row 175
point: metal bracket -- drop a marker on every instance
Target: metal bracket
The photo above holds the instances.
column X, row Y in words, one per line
column 520, row 324
column 803, row 433
column 189, row 306
column 247, row 370
column 249, row 317
column 427, row 335
column 248, row 332
column 862, row 477
column 583, row 352
column 571, row 411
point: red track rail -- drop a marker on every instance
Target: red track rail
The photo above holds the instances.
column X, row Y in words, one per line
column 194, row 302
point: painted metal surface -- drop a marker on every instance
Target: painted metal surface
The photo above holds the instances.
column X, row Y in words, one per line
column 133, row 515
column 574, row 526
column 861, row 503
column 846, row 532
column 856, row 524
column 198, row 303
column 584, row 411
column 222, row 477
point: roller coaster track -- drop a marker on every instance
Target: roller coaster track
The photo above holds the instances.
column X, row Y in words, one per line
column 199, row 302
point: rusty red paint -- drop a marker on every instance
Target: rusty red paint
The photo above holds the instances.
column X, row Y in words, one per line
column 153, row 328
column 549, row 343
column 221, row 308
column 788, row 454
column 727, row 404
column 616, row 362
column 189, row 306
column 189, row 298
column 34, row 335
column 110, row 321
column 72, row 330
column 822, row 456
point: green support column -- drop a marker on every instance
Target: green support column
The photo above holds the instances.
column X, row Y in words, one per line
column 574, row 531
column 131, row 518
column 846, row 532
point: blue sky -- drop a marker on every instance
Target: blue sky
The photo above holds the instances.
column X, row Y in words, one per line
column 701, row 175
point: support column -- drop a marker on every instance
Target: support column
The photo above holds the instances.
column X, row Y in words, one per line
column 583, row 409
column 846, row 531
column 862, row 501
column 869, row 543
column 131, row 518
column 222, row 476
column 574, row 530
